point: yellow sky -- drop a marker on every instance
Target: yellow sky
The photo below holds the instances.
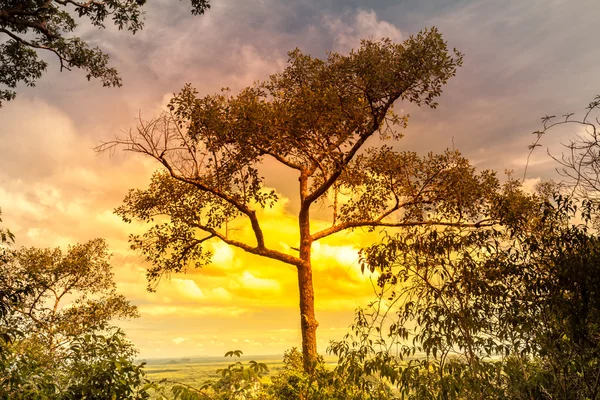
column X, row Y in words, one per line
column 239, row 301
column 245, row 301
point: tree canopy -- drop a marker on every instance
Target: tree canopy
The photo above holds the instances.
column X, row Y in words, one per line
column 82, row 276
column 30, row 26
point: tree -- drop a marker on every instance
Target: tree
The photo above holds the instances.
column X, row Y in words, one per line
column 5, row 234
column 93, row 366
column 511, row 311
column 101, row 366
column 82, row 275
column 46, row 25
column 314, row 118
column 55, row 332
column 6, row 297
column 580, row 164
column 9, row 296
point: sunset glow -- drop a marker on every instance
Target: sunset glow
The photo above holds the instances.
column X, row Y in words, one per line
column 55, row 190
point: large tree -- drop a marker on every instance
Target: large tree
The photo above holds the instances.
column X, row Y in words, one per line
column 315, row 119
column 29, row 26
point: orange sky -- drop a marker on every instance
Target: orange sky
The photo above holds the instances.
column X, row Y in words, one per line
column 522, row 61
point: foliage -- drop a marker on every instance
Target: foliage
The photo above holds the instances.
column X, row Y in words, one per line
column 101, row 367
column 47, row 25
column 314, row 119
column 5, row 235
column 510, row 311
column 294, row 383
column 247, row 382
column 236, row 382
column 6, row 297
column 94, row 366
column 53, row 350
column 82, row 276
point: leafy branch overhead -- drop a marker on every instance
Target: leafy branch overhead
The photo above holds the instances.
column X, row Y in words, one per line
column 31, row 26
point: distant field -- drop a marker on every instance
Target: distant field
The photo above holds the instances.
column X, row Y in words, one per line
column 195, row 371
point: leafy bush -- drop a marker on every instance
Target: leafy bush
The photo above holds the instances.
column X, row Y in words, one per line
column 71, row 352
column 507, row 312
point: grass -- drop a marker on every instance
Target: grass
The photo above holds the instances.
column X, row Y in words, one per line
column 195, row 371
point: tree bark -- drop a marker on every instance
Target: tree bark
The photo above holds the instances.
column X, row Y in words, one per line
column 308, row 322
column 307, row 317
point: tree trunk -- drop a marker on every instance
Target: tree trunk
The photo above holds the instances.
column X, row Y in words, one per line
column 307, row 317
column 308, row 322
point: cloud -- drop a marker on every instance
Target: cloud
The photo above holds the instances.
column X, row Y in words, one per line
column 348, row 31
column 251, row 282
column 187, row 289
column 220, row 293
column 46, row 137
column 156, row 310
column 179, row 340
column 345, row 255
column 223, row 254
column 529, row 185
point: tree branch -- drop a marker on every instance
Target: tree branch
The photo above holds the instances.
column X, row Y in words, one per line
column 257, row 250
column 61, row 58
column 152, row 149
column 277, row 157
column 8, row 16
column 85, row 5
column 349, row 156
column 374, row 223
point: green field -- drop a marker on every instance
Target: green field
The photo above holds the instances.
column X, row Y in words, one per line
column 194, row 371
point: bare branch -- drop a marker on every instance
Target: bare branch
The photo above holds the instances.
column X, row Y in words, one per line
column 147, row 142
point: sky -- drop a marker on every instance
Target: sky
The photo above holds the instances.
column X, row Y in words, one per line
column 523, row 60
